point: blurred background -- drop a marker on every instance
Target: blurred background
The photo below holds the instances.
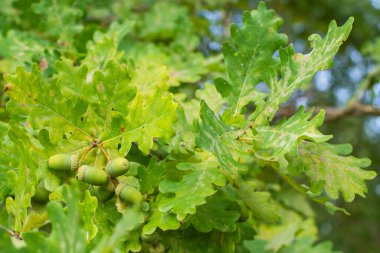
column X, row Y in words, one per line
column 195, row 30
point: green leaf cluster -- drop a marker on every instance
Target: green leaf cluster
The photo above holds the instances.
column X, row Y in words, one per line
column 214, row 169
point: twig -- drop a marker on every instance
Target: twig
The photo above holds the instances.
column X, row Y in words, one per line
column 335, row 113
column 104, row 152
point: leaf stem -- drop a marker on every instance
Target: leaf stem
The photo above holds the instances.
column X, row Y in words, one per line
column 104, row 152
column 297, row 187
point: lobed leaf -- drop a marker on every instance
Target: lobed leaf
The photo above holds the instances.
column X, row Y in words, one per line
column 215, row 214
column 217, row 137
column 328, row 167
column 249, row 56
column 297, row 70
column 193, row 188
column 272, row 143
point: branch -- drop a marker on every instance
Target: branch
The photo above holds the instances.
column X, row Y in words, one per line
column 335, row 113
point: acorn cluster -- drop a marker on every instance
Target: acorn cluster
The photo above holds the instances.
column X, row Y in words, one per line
column 103, row 180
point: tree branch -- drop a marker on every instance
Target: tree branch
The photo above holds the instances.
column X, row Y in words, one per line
column 335, row 113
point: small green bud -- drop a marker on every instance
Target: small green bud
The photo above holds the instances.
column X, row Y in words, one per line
column 63, row 162
column 117, row 167
column 92, row 175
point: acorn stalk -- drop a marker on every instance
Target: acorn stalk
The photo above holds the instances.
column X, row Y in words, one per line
column 92, row 175
column 63, row 162
column 117, row 167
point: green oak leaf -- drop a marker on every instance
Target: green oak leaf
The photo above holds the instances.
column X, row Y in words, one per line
column 165, row 27
column 261, row 204
column 305, row 245
column 297, row 70
column 106, row 217
column 148, row 78
column 150, row 116
column 9, row 162
column 66, row 227
column 104, row 109
column 114, row 89
column 104, row 46
column 215, row 214
column 302, row 245
column 88, row 210
column 23, row 186
column 217, row 137
column 248, row 56
column 59, row 19
column 291, row 227
column 216, row 242
column 272, row 143
column 329, row 167
column 122, row 230
column 33, row 96
column 72, row 79
column 181, row 66
column 150, row 177
column 158, row 219
column 184, row 140
column 211, row 97
column 19, row 48
column 256, row 246
column 192, row 190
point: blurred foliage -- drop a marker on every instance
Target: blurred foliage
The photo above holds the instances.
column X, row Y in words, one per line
column 195, row 29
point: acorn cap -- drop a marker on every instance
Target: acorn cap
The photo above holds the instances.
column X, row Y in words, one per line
column 110, row 186
column 74, row 162
column 81, row 172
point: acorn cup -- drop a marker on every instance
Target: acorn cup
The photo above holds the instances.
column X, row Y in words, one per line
column 63, row 162
column 92, row 175
column 117, row 167
column 129, row 194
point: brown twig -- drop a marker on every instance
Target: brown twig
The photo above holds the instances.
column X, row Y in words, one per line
column 335, row 113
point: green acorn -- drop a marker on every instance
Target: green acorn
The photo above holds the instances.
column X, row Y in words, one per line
column 92, row 175
column 63, row 162
column 157, row 248
column 153, row 238
column 117, row 167
column 129, row 194
column 41, row 195
column 103, row 194
column 244, row 214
